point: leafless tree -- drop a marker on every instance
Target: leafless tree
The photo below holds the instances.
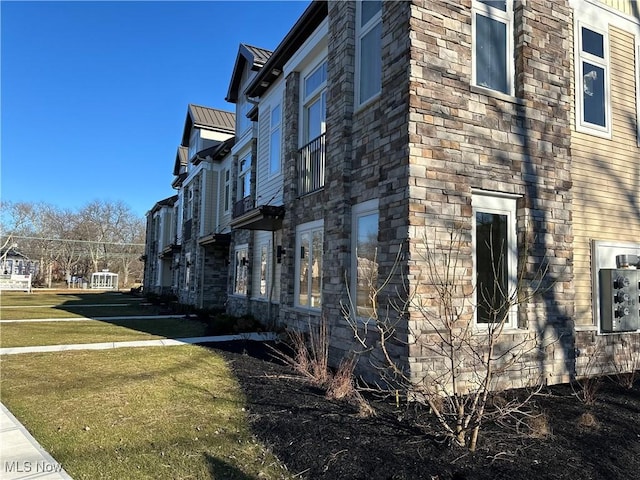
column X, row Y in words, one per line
column 463, row 361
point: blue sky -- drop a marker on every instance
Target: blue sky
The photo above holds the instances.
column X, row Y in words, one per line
column 94, row 95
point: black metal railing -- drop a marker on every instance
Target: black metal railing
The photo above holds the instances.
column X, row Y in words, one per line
column 311, row 163
column 243, row 206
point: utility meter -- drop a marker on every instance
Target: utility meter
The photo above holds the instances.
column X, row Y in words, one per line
column 619, row 299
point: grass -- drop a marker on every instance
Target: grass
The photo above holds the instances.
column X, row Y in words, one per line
column 62, row 305
column 142, row 413
column 94, row 331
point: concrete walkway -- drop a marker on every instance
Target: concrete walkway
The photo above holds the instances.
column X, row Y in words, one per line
column 22, row 457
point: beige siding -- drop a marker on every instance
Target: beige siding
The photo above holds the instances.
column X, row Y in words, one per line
column 210, row 199
column 606, row 172
column 629, row 7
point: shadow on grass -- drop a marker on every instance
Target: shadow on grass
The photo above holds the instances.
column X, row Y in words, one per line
column 219, row 469
column 113, row 308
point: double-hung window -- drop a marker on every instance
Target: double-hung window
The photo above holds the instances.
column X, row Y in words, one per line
column 368, row 49
column 193, row 143
column 365, row 257
column 495, row 258
column 241, row 265
column 308, row 286
column 275, row 139
column 244, row 177
column 315, row 103
column 227, row 190
column 592, row 86
column 493, row 60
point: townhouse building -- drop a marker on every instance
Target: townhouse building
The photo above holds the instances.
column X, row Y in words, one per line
column 381, row 138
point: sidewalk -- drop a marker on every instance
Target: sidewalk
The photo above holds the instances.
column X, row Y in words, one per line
column 21, row 456
column 162, row 342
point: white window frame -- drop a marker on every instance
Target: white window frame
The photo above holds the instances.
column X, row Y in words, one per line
column 360, row 210
column 275, row 131
column 187, row 271
column 581, row 57
column 238, row 257
column 310, row 228
column 361, row 32
column 479, row 8
column 242, row 174
column 193, row 143
column 309, row 98
column 500, row 204
column 264, row 269
column 226, row 190
column 188, row 214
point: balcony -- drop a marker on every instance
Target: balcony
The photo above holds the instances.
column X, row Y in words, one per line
column 243, row 206
column 311, row 162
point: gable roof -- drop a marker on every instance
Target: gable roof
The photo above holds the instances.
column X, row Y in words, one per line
column 310, row 19
column 254, row 57
column 216, row 152
column 182, row 160
column 166, row 202
column 209, row 119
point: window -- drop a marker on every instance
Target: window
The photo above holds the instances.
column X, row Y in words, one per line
column 227, row 190
column 368, row 50
column 308, row 287
column 493, row 45
column 494, row 257
column 244, row 177
column 275, row 140
column 193, row 143
column 593, row 82
column 187, row 271
column 188, row 208
column 365, row 256
column 264, row 269
column 315, row 103
column 241, row 270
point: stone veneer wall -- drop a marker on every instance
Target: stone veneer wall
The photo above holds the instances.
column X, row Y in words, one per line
column 462, row 137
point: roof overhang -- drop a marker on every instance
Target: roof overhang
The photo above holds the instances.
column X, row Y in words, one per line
column 265, row 217
column 170, row 250
column 244, row 58
column 215, row 239
column 310, row 19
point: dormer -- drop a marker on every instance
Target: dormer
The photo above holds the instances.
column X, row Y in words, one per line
column 180, row 167
column 205, row 127
column 248, row 62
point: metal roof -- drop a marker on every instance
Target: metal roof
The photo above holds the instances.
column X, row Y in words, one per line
column 310, row 19
column 254, row 57
column 182, row 159
column 209, row 119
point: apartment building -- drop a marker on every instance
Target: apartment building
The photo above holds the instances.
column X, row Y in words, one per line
column 381, row 138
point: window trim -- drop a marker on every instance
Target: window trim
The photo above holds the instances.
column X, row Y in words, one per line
column 242, row 174
column 361, row 32
column 507, row 18
column 502, row 204
column 239, row 248
column 309, row 227
column 360, row 210
column 273, row 130
column 309, row 98
column 604, row 63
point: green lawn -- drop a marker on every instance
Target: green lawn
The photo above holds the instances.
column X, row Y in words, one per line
column 139, row 413
column 94, row 331
column 20, row 305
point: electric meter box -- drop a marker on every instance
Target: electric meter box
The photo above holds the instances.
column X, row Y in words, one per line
column 619, row 299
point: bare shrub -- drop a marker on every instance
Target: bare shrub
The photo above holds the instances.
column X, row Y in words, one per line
column 468, row 361
column 587, row 386
column 588, row 421
column 627, row 364
column 539, row 426
column 310, row 358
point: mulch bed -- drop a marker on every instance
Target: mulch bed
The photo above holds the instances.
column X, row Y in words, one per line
column 322, row 439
